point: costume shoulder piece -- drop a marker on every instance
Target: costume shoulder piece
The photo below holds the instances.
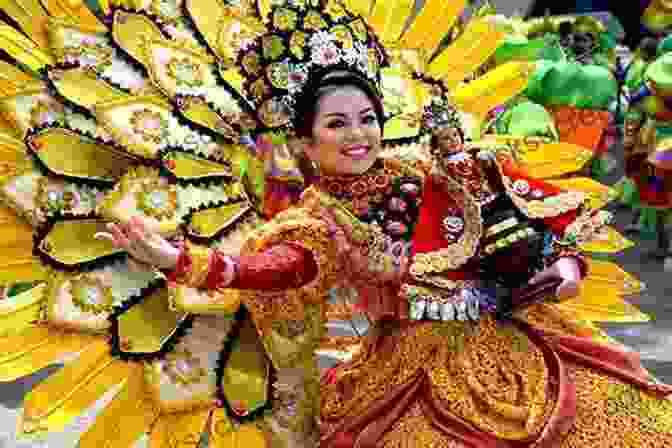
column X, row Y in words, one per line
column 535, row 197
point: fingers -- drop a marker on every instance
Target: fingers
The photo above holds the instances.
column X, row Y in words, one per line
column 103, row 236
column 118, row 234
column 568, row 289
column 138, row 231
column 568, row 269
column 135, row 265
column 128, row 238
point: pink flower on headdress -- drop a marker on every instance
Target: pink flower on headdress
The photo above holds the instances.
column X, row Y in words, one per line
column 297, row 78
column 327, row 55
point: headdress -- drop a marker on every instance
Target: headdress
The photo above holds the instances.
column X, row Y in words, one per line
column 304, row 40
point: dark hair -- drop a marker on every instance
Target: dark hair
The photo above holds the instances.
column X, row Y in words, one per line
column 319, row 85
column 565, row 28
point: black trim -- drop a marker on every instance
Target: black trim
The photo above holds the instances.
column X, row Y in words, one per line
column 97, row 183
column 43, row 230
column 223, row 232
column 242, row 102
column 241, row 315
column 201, row 181
column 168, row 346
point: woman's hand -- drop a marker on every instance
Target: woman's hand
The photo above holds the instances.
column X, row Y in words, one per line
column 142, row 245
column 357, row 264
column 565, row 269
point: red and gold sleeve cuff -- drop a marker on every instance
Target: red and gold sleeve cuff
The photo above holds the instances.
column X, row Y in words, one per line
column 193, row 266
column 282, row 266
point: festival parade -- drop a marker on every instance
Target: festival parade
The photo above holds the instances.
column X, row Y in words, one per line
column 334, row 223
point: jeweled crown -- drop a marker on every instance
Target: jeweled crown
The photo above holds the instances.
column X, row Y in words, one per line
column 305, row 37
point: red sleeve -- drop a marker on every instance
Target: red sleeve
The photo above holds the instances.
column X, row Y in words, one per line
column 284, row 266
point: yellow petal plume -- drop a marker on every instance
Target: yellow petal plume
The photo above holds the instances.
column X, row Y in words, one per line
column 72, row 10
column 389, row 17
column 246, row 375
column 223, row 434
column 23, row 49
column 146, row 326
column 607, row 241
column 18, row 312
column 429, row 27
column 17, row 263
column 499, row 85
column 31, row 18
column 554, row 159
column 360, row 7
column 12, row 79
column 35, row 348
column 602, row 292
column 72, row 390
column 476, row 44
column 599, row 194
column 126, row 418
column 181, row 429
column 605, row 307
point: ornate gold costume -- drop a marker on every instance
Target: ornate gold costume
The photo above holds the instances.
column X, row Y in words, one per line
column 147, row 108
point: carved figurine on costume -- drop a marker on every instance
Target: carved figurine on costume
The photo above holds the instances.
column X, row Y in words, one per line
column 480, row 359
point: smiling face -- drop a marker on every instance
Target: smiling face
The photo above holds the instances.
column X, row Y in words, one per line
column 346, row 133
column 449, row 140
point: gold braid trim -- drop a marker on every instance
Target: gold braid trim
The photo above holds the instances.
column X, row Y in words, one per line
column 291, row 323
column 200, row 265
column 454, row 255
column 294, row 226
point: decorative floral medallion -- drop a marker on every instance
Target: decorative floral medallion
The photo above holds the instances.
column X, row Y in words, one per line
column 57, row 197
column 521, row 187
column 183, row 368
column 157, row 200
column 90, row 52
column 166, row 10
column 150, row 125
column 453, row 226
column 185, row 72
column 285, row 19
column 91, row 295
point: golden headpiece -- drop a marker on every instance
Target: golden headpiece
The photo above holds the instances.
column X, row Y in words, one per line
column 304, row 39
